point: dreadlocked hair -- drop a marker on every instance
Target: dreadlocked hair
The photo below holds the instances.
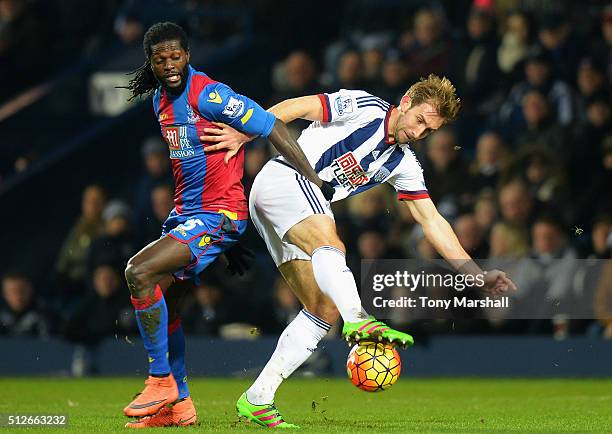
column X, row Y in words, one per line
column 144, row 82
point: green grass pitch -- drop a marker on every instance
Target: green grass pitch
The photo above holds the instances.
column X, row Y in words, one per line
column 335, row 405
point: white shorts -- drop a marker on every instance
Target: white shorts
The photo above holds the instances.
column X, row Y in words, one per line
column 280, row 198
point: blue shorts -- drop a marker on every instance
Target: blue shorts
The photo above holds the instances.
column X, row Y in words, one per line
column 208, row 234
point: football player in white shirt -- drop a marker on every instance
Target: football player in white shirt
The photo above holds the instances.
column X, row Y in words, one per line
column 356, row 141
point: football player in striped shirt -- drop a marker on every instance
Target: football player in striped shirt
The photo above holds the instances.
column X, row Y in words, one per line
column 355, row 142
column 209, row 216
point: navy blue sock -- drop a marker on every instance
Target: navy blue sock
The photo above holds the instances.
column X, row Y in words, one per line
column 176, row 351
column 152, row 319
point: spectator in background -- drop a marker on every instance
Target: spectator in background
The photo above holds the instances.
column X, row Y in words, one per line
column 157, row 171
column 295, row 76
column 104, row 312
column 602, row 302
column 485, row 210
column 598, row 118
column 588, row 303
column 541, row 127
column 602, row 48
column 516, row 206
column 118, row 243
column 508, row 241
column 601, row 237
column 372, row 244
column 509, row 247
column 471, row 236
column 491, row 158
column 21, row 314
column 370, row 211
column 349, row 72
column 590, row 80
column 162, row 202
column 373, row 48
column 446, row 174
column 555, row 34
column 602, row 248
column 23, row 58
column 71, row 264
column 475, row 62
column 393, row 80
column 546, row 279
column 545, row 178
column 595, row 195
column 538, row 77
column 254, row 159
column 587, row 161
column 516, row 41
column 208, row 312
column 426, row 49
column 286, row 306
column 135, row 16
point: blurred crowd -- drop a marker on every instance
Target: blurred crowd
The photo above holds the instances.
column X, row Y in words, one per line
column 525, row 173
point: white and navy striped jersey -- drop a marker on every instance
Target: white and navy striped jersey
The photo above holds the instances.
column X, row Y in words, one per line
column 350, row 147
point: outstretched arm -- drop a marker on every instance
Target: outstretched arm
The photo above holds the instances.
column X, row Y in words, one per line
column 305, row 107
column 226, row 137
column 440, row 234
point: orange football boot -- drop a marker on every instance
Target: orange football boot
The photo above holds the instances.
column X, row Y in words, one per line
column 158, row 392
column 181, row 413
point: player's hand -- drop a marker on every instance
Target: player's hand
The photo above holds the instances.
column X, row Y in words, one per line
column 225, row 137
column 496, row 283
column 239, row 259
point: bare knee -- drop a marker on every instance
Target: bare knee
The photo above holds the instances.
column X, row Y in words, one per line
column 314, row 232
column 139, row 278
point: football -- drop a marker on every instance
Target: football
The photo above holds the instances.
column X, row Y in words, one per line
column 373, row 366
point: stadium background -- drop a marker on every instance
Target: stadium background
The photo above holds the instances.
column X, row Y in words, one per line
column 84, row 181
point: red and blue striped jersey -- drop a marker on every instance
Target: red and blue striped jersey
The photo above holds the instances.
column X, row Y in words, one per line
column 203, row 182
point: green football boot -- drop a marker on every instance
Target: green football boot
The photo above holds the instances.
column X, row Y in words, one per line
column 377, row 331
column 265, row 415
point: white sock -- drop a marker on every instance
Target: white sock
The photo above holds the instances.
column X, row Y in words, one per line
column 297, row 342
column 337, row 282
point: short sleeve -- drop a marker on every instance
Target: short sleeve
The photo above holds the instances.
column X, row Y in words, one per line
column 218, row 102
column 409, row 181
column 348, row 105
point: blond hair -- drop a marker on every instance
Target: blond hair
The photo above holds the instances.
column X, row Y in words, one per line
column 516, row 237
column 438, row 92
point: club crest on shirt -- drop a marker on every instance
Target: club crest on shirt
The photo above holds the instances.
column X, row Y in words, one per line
column 343, row 104
column 192, row 117
column 382, row 174
column 178, row 142
column 348, row 172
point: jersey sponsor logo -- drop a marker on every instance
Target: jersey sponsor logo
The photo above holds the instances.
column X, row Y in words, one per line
column 382, row 174
column 348, row 172
column 215, row 97
column 234, row 108
column 178, row 142
column 192, row 117
column 171, row 134
column 343, row 104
